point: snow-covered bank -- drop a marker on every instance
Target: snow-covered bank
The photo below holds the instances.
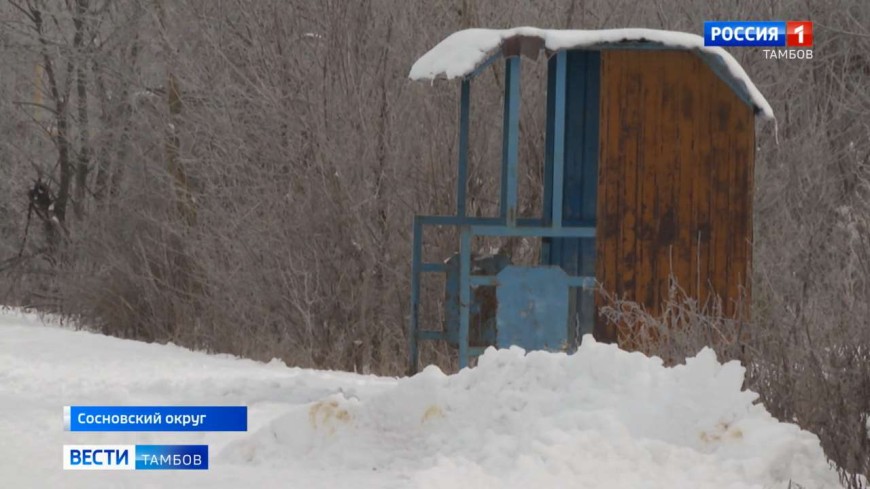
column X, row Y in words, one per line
column 599, row 418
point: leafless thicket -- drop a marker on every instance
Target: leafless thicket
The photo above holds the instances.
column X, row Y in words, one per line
column 240, row 175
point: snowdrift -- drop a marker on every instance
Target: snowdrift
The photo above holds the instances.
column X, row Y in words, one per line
column 601, row 417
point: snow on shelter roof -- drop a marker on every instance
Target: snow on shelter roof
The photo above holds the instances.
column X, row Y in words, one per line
column 462, row 52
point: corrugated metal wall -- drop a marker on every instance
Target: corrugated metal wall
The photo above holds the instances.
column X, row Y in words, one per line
column 576, row 255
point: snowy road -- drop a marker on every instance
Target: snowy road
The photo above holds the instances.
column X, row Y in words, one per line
column 43, row 368
column 599, row 418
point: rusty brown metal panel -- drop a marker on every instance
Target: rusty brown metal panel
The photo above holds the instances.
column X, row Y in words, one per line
column 675, row 177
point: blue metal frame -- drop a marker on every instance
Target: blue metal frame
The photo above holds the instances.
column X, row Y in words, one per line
column 462, row 174
column 495, row 226
column 486, row 64
column 551, row 226
column 416, row 267
column 510, row 142
column 579, row 181
column 489, row 221
column 464, row 293
column 526, row 231
column 469, row 227
column 558, row 163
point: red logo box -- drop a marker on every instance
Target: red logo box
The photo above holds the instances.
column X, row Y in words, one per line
column 799, row 34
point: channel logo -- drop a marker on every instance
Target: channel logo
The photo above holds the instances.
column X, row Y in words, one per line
column 798, row 34
column 135, row 457
column 99, row 457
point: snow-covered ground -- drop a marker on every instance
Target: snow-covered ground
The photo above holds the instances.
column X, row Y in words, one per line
column 598, row 418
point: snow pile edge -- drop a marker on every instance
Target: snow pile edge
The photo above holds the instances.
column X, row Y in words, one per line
column 601, row 417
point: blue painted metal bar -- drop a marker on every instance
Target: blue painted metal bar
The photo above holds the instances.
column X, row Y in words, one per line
column 547, row 203
column 433, row 267
column 591, row 126
column 502, row 193
column 566, row 232
column 462, row 174
column 559, row 139
column 464, row 221
column 457, row 220
column 464, row 293
column 416, row 259
column 580, row 182
column 511, row 135
column 492, row 59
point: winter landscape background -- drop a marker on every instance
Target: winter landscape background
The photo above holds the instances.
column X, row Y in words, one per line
column 601, row 417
